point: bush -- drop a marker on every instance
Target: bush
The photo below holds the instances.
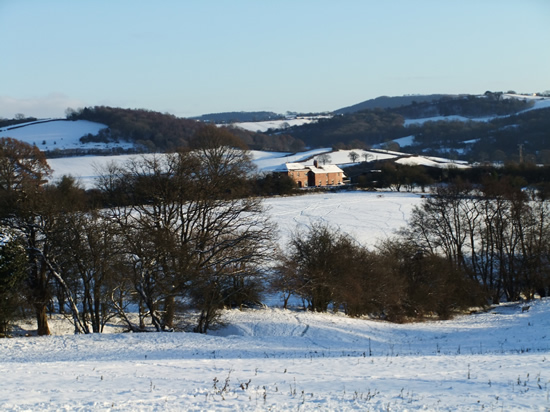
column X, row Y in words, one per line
column 396, row 282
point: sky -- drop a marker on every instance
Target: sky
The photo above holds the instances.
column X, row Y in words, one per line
column 191, row 57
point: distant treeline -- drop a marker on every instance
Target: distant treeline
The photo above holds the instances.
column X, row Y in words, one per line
column 161, row 132
column 389, row 102
column 153, row 130
column 367, row 127
column 16, row 121
column 468, row 106
column 235, row 117
column 398, row 177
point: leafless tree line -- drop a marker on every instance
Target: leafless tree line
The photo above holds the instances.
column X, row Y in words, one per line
column 175, row 236
column 497, row 233
column 465, row 246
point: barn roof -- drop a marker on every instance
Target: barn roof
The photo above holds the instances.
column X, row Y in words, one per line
column 325, row 169
column 293, row 167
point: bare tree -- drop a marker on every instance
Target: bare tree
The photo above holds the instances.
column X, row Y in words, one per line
column 188, row 224
column 23, row 172
column 353, row 156
column 498, row 235
column 88, row 252
column 367, row 156
column 316, row 260
column 324, row 159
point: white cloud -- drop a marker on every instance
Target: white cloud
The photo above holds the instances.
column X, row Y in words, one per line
column 51, row 105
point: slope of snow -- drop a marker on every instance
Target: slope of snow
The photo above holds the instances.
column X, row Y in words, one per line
column 277, row 124
column 405, row 141
column 59, row 134
column 450, row 118
column 270, row 161
column 542, row 103
column 274, row 359
column 341, row 157
column 368, row 217
column 86, row 168
column 431, row 161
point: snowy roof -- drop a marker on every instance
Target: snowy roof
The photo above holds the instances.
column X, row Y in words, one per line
column 292, row 167
column 325, row 169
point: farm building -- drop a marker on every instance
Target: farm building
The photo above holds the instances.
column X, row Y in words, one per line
column 312, row 176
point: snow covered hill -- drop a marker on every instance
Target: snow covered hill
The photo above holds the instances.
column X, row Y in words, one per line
column 278, row 360
column 278, row 124
column 59, row 134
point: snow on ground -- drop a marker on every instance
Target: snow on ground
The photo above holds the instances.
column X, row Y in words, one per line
column 85, row 169
column 275, row 359
column 367, row 217
column 277, row 124
column 341, row 157
column 59, row 134
column 405, row 141
column 270, row 161
column 431, row 161
column 540, row 102
column 450, row 118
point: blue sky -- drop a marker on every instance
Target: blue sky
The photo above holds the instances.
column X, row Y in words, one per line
column 191, row 57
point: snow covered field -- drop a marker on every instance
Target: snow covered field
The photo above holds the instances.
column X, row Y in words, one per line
column 274, row 359
column 368, row 217
column 278, row 124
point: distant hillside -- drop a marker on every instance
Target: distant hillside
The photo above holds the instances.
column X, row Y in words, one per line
column 13, row 122
column 162, row 132
column 152, row 130
column 386, row 102
column 474, row 128
column 238, row 117
column 470, row 106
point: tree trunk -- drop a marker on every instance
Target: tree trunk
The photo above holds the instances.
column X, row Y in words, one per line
column 42, row 320
column 169, row 312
